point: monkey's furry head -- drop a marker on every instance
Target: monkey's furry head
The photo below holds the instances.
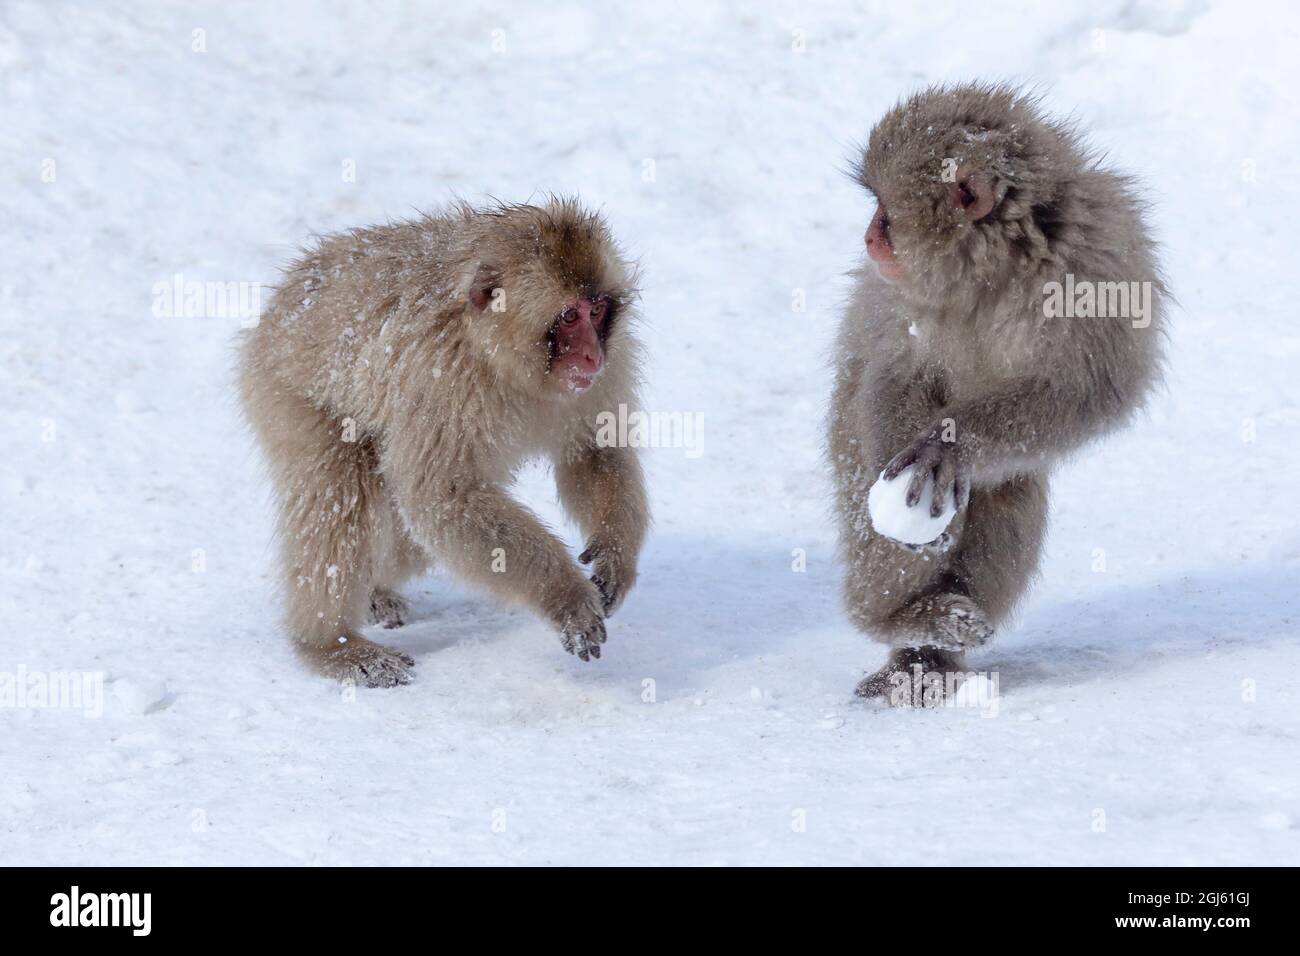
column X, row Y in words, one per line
column 969, row 177
column 524, row 265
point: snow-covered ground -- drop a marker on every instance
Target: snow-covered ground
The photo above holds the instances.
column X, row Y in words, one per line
column 1148, row 707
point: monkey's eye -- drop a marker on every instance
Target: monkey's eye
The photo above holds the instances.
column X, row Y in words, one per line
column 599, row 307
column 569, row 316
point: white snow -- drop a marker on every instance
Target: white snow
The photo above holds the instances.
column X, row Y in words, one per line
column 1149, row 710
column 893, row 517
column 977, row 691
column 139, row 696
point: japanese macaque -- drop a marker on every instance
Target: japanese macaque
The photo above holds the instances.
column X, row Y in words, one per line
column 396, row 381
column 958, row 355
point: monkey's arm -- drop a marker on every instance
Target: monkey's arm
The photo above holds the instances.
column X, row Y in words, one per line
column 1087, row 377
column 492, row 539
column 604, row 490
column 1032, row 421
column 1023, row 424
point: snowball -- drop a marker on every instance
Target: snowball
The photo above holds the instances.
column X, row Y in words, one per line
column 890, row 515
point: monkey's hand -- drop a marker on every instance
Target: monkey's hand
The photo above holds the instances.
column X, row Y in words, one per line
column 613, row 571
column 933, row 456
column 580, row 616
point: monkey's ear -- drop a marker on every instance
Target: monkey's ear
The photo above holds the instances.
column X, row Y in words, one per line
column 486, row 279
column 973, row 193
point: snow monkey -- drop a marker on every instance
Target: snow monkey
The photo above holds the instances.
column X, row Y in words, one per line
column 961, row 359
column 399, row 377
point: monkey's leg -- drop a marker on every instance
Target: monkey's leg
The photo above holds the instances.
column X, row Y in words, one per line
column 405, row 559
column 603, row 488
column 996, row 555
column 909, row 598
column 330, row 523
column 489, row 538
column 929, row 633
column 998, row 551
column 885, row 580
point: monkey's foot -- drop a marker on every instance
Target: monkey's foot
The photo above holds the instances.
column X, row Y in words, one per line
column 915, row 677
column 951, row 621
column 363, row 662
column 388, row 609
column 938, row 546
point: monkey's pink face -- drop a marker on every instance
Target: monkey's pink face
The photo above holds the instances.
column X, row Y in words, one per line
column 578, row 344
column 880, row 246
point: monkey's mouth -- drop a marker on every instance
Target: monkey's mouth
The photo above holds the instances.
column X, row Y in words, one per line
column 889, row 270
column 575, row 382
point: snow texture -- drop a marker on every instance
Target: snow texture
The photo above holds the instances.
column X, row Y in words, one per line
column 893, row 517
column 1148, row 707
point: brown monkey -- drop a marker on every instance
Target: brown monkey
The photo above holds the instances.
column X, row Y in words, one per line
column 949, row 360
column 399, row 377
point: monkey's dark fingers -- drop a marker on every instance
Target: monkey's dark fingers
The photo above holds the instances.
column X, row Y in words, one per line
column 586, row 556
column 606, row 592
column 589, row 644
column 585, row 644
column 901, row 461
column 961, row 489
column 945, row 480
column 926, row 465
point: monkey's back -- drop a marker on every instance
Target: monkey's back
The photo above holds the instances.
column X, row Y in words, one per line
column 337, row 326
